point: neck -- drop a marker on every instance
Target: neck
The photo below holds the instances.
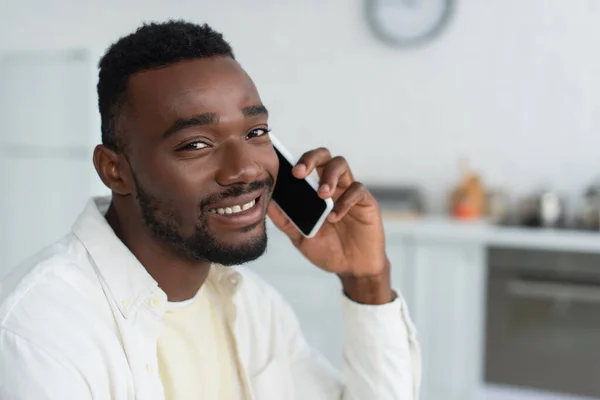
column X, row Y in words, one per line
column 180, row 279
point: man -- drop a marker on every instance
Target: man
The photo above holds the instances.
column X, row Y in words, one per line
column 143, row 300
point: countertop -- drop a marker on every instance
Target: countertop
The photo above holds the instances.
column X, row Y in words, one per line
column 487, row 234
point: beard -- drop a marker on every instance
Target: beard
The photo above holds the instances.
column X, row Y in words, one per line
column 160, row 217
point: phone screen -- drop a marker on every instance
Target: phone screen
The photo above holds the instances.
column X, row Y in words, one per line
column 297, row 198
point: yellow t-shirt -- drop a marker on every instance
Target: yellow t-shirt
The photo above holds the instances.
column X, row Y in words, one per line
column 194, row 352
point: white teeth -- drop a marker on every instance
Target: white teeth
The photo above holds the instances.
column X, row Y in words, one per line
column 234, row 209
column 248, row 205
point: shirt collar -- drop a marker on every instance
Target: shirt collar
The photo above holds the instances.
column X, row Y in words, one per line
column 128, row 282
column 227, row 280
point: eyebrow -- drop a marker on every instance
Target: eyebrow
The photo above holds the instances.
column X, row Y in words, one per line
column 197, row 120
column 252, row 111
column 210, row 119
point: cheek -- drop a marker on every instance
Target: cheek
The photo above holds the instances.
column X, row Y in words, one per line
column 191, row 183
column 176, row 183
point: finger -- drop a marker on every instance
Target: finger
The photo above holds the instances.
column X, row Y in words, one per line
column 311, row 160
column 335, row 172
column 283, row 223
column 351, row 197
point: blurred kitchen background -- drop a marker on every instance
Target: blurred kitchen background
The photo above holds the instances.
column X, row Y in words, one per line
column 475, row 123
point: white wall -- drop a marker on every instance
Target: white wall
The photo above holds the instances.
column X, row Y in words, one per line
column 512, row 84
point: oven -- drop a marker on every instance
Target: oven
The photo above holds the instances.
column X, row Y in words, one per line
column 542, row 331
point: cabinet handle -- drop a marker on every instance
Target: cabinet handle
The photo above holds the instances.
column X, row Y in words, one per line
column 553, row 291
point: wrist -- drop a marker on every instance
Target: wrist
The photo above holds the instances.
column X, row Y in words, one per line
column 369, row 289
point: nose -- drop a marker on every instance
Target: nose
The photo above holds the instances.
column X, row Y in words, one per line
column 237, row 164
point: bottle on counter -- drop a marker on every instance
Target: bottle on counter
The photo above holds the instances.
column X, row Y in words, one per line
column 468, row 199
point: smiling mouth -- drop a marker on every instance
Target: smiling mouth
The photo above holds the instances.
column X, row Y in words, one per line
column 235, row 209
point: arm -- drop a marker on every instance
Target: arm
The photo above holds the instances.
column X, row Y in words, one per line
column 381, row 353
column 28, row 371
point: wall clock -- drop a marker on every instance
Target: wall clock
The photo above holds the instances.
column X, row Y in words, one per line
column 403, row 23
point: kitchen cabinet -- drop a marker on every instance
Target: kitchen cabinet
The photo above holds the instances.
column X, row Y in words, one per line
column 448, row 279
column 400, row 251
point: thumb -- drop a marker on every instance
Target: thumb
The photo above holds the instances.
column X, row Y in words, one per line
column 283, row 223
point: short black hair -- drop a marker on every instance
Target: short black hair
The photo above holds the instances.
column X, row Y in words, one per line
column 153, row 45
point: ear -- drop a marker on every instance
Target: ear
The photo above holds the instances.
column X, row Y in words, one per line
column 113, row 170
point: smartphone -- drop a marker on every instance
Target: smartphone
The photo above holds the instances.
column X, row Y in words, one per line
column 298, row 198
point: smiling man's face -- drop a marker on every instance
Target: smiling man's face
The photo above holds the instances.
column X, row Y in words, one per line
column 203, row 164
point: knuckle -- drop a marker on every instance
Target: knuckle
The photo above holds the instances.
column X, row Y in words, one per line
column 306, row 155
column 323, row 153
column 339, row 160
column 359, row 187
column 315, row 154
column 317, row 157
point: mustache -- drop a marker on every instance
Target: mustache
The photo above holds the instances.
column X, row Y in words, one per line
column 237, row 190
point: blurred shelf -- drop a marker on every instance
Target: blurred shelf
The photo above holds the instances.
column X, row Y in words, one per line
column 488, row 234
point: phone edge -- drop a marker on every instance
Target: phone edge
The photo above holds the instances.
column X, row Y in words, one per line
column 328, row 202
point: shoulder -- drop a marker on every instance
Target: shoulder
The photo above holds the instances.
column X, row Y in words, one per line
column 50, row 288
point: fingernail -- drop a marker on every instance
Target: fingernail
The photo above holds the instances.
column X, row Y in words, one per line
column 325, row 188
column 300, row 167
column 332, row 215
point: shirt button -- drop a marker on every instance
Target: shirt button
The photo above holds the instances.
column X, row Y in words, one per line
column 126, row 304
column 234, row 280
column 150, row 368
column 155, row 302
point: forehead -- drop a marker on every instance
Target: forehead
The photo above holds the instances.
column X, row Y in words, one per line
column 217, row 85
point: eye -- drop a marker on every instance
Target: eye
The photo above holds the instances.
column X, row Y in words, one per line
column 257, row 133
column 194, row 146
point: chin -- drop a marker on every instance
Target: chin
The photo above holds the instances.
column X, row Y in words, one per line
column 238, row 255
column 237, row 248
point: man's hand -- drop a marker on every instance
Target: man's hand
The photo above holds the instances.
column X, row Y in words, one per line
column 351, row 242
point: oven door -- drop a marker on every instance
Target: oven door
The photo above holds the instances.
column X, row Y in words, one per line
column 543, row 328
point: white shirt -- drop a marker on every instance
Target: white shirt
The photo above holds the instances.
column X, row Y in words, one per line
column 81, row 319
